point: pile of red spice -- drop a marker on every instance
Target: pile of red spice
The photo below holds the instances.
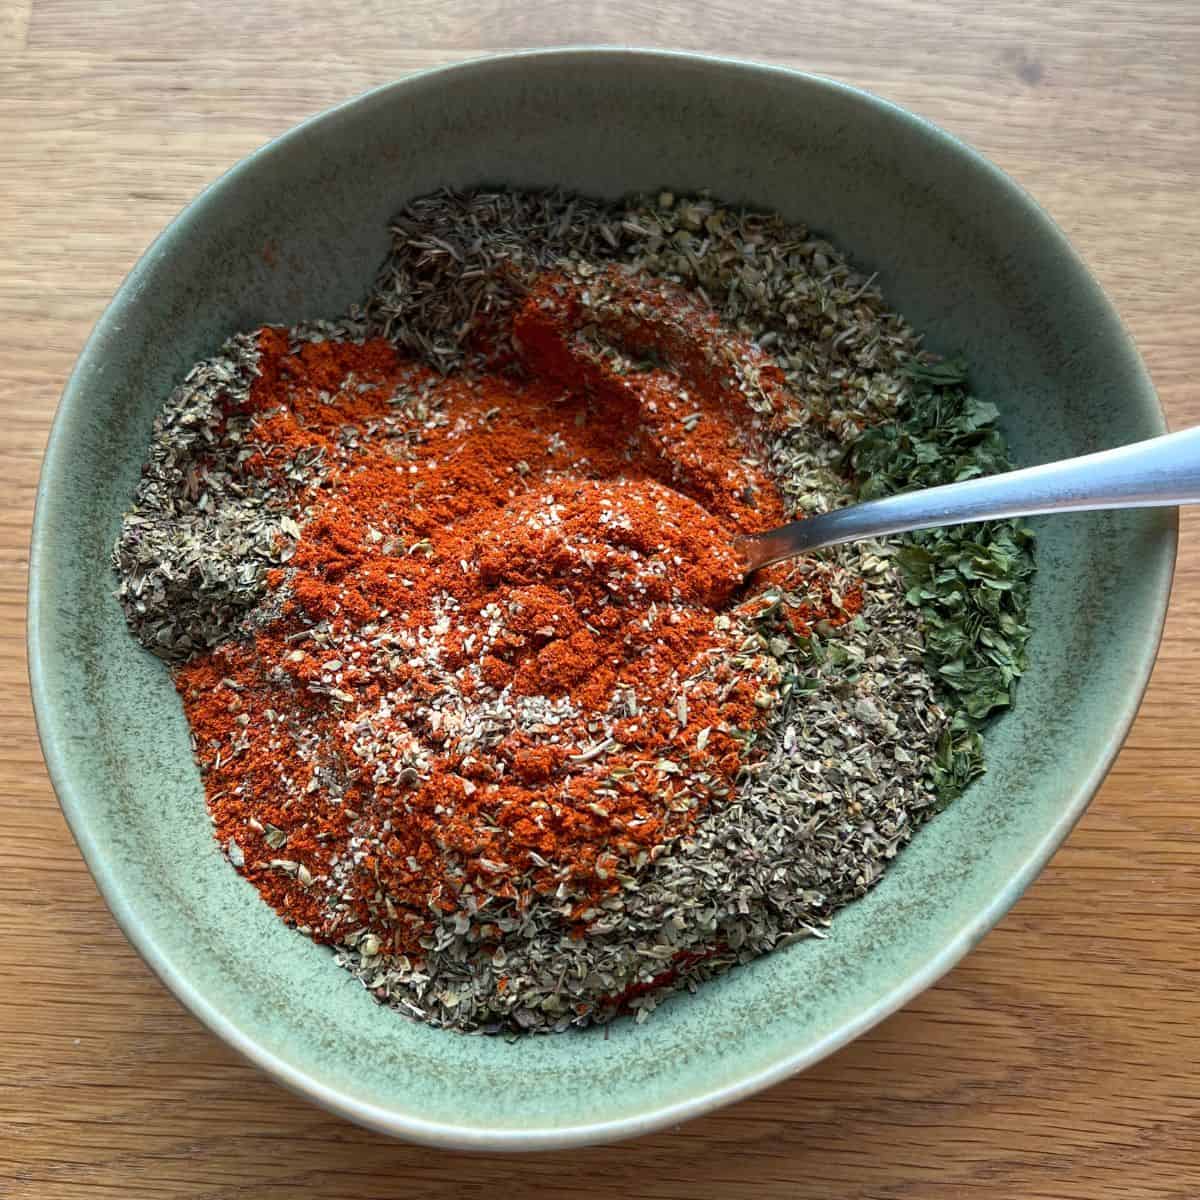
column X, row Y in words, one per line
column 497, row 668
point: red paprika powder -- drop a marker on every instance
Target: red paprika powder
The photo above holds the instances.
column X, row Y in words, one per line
column 504, row 657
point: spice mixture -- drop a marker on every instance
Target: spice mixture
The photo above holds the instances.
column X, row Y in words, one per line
column 450, row 592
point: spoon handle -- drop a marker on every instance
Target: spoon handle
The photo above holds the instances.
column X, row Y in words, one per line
column 1157, row 472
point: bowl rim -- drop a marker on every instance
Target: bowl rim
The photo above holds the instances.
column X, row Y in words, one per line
column 443, row 1134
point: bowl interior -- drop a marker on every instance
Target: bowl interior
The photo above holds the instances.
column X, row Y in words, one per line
column 297, row 230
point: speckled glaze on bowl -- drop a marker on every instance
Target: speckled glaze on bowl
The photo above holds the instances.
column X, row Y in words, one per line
column 296, row 230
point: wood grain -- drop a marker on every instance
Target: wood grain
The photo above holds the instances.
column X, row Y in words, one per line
column 1059, row 1062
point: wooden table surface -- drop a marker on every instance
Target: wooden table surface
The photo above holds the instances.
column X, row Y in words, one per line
column 1059, row 1060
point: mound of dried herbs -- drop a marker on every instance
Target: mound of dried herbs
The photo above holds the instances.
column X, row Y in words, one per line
column 970, row 582
column 867, row 675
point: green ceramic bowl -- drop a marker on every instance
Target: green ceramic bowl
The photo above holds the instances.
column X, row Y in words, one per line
column 297, row 230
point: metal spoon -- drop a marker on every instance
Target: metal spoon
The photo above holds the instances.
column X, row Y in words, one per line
column 1155, row 473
